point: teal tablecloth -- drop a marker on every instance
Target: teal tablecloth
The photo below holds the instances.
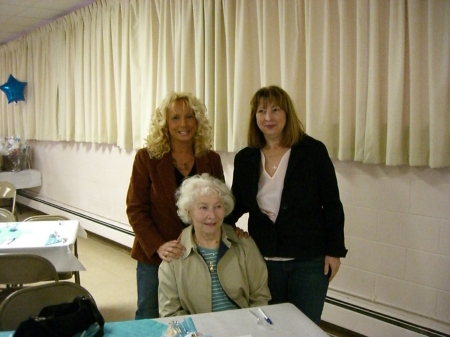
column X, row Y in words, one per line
column 139, row 328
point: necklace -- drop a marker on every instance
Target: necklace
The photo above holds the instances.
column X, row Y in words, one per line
column 211, row 267
column 197, row 242
column 184, row 166
column 273, row 157
column 209, row 254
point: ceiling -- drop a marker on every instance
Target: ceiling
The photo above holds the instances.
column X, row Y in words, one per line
column 19, row 17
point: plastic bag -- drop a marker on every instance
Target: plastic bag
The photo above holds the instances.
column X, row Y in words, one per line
column 185, row 328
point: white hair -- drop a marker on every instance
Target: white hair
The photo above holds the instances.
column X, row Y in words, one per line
column 198, row 186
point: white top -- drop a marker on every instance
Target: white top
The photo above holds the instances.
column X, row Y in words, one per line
column 270, row 188
column 269, row 192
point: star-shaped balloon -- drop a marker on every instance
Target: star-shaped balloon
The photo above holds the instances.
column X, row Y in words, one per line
column 13, row 89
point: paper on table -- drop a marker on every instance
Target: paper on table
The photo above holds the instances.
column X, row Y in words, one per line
column 29, row 239
column 29, row 235
column 6, row 236
column 190, row 326
column 52, row 239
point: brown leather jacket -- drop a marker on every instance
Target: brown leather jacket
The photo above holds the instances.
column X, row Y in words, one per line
column 151, row 208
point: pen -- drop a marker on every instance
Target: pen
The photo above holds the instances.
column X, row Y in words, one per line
column 265, row 316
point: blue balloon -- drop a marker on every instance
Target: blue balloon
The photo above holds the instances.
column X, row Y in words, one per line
column 13, row 89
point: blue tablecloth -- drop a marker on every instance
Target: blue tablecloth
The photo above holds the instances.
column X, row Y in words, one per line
column 139, row 328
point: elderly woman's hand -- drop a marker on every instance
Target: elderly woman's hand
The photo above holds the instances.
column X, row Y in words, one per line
column 171, row 250
column 241, row 234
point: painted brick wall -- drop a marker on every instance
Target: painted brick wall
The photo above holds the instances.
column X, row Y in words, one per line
column 397, row 220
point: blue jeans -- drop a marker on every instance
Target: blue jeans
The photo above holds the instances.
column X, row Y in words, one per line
column 300, row 282
column 147, row 291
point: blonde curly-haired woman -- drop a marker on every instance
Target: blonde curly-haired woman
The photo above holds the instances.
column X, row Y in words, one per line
column 178, row 146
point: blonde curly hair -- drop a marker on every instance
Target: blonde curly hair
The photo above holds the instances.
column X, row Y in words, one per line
column 158, row 140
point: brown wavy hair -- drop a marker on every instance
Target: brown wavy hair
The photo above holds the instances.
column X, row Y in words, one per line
column 293, row 130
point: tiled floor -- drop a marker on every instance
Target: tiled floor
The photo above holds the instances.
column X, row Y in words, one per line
column 110, row 277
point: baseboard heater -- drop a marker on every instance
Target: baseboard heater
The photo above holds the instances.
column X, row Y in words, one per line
column 81, row 215
column 386, row 318
column 345, row 305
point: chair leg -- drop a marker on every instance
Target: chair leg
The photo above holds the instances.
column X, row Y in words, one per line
column 77, row 273
column 77, row 277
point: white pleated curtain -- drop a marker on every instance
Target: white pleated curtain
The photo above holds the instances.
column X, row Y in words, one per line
column 371, row 79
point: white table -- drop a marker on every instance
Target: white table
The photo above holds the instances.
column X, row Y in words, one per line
column 287, row 321
column 33, row 238
column 22, row 179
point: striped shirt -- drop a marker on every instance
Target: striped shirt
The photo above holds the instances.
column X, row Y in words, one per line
column 220, row 300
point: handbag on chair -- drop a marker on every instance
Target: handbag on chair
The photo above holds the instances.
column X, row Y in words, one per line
column 65, row 320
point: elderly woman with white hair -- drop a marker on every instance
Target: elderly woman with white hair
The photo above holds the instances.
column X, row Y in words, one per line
column 217, row 271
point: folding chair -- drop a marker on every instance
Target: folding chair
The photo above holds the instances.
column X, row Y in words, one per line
column 8, row 191
column 18, row 270
column 7, row 216
column 29, row 301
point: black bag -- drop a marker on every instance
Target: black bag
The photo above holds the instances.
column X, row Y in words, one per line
column 64, row 320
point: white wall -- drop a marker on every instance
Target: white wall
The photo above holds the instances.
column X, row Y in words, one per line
column 397, row 224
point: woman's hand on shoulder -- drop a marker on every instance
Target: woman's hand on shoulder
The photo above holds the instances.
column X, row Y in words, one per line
column 241, row 234
column 171, row 250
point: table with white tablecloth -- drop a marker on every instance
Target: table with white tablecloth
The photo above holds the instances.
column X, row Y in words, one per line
column 286, row 318
column 22, row 179
column 53, row 240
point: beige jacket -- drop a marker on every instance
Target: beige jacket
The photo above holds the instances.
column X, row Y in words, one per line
column 185, row 283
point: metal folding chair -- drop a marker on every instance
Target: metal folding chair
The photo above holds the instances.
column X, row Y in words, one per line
column 29, row 301
column 18, row 270
column 7, row 216
column 8, row 191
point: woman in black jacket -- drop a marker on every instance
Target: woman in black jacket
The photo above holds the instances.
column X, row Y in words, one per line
column 286, row 181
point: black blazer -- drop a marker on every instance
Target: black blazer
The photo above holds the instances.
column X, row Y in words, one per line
column 310, row 222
